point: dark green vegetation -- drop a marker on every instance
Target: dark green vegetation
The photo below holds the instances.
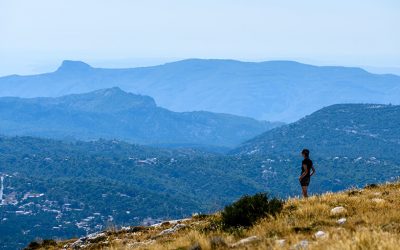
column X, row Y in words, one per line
column 44, row 244
column 352, row 130
column 351, row 145
column 115, row 114
column 249, row 209
column 59, row 189
column 272, row 91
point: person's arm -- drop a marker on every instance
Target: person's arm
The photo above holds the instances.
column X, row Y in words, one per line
column 312, row 170
column 305, row 172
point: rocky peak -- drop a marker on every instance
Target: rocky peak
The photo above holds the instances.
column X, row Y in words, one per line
column 73, row 66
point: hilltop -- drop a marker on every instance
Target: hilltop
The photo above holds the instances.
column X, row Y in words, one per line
column 351, row 130
column 272, row 90
column 354, row 219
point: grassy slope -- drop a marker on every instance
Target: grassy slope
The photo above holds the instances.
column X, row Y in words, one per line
column 373, row 222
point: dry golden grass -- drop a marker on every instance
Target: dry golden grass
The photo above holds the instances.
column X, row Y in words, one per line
column 373, row 222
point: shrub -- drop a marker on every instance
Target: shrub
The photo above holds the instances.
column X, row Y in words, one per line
column 371, row 186
column 41, row 244
column 49, row 243
column 32, row 246
column 248, row 209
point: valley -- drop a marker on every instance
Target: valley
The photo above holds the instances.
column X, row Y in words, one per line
column 63, row 189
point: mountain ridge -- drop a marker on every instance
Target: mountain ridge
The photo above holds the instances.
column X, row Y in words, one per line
column 362, row 122
column 272, row 90
column 113, row 113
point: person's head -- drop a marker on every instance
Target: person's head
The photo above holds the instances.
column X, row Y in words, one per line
column 305, row 153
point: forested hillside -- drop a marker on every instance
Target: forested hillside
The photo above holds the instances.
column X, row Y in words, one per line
column 115, row 114
column 351, row 145
column 58, row 189
column 338, row 130
column 72, row 188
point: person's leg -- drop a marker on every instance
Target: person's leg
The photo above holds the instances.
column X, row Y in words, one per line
column 304, row 189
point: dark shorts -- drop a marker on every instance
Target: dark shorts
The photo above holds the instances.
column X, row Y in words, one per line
column 305, row 181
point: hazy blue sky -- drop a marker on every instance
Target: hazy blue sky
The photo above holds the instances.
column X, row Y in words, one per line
column 35, row 35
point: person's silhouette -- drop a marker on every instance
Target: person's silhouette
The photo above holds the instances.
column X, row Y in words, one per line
column 307, row 170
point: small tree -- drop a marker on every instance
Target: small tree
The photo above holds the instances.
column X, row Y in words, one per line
column 248, row 209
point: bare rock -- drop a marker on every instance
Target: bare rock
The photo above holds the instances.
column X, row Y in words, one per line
column 245, row 241
column 280, row 242
column 341, row 221
column 320, row 235
column 301, row 245
column 173, row 229
column 132, row 229
column 338, row 210
column 89, row 239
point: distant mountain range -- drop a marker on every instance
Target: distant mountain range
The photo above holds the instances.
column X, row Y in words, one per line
column 273, row 91
column 115, row 114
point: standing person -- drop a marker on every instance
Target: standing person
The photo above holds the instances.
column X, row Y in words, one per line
column 307, row 170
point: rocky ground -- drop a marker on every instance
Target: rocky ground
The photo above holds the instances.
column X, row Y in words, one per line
column 366, row 218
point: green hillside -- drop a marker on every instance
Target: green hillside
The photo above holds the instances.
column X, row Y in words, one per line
column 115, row 114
